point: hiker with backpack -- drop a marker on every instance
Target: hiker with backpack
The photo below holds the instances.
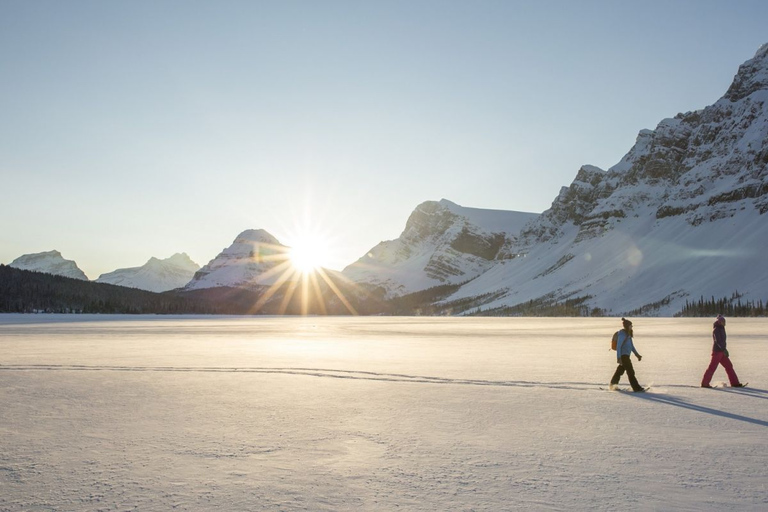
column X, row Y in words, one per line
column 720, row 356
column 624, row 348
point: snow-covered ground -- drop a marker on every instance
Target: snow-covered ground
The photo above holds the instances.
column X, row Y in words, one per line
column 156, row 413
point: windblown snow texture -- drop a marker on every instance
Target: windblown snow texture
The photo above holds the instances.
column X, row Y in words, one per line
column 153, row 413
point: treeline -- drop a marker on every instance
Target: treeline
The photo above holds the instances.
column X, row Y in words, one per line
column 421, row 302
column 725, row 306
column 548, row 307
column 23, row 291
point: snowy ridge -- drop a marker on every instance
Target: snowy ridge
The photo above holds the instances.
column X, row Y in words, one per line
column 255, row 258
column 51, row 262
column 155, row 275
column 680, row 216
column 443, row 243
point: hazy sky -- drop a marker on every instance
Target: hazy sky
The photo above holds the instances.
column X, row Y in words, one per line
column 131, row 129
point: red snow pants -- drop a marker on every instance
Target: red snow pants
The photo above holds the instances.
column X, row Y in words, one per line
column 719, row 358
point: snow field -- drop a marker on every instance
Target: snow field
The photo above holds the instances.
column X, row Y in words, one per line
column 156, row 413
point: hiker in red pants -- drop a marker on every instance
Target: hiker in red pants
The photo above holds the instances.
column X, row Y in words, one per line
column 720, row 356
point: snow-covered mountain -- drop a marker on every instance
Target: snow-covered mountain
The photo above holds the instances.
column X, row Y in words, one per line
column 50, row 262
column 155, row 275
column 255, row 258
column 682, row 215
column 443, row 243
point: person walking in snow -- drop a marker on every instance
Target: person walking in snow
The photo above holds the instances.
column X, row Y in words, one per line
column 624, row 348
column 720, row 356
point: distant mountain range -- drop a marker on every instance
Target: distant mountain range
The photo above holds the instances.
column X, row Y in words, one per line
column 51, row 262
column 155, row 275
column 680, row 218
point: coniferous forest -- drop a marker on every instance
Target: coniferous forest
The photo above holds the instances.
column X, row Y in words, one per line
column 23, row 291
column 733, row 306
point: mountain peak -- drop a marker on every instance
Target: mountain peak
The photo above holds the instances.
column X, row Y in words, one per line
column 155, row 275
column 182, row 259
column 761, row 52
column 248, row 262
column 49, row 262
column 751, row 77
column 443, row 244
column 180, row 256
column 256, row 236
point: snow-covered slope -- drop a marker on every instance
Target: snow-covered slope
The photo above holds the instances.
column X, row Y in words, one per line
column 680, row 216
column 443, row 243
column 51, row 262
column 255, row 258
column 155, row 275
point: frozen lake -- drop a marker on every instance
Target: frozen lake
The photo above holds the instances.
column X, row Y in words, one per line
column 156, row 413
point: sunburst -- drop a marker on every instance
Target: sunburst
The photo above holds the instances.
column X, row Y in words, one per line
column 309, row 252
column 299, row 272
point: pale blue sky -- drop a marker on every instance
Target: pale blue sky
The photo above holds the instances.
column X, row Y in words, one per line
column 143, row 128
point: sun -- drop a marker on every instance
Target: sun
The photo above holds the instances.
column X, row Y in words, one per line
column 308, row 253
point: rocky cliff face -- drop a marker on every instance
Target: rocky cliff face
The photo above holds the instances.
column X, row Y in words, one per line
column 255, row 258
column 155, row 275
column 680, row 216
column 442, row 243
column 51, row 262
column 701, row 166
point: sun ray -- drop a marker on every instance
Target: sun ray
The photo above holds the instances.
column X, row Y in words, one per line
column 292, row 285
column 304, row 293
column 279, row 268
column 287, row 274
column 296, row 278
column 318, row 293
column 336, row 290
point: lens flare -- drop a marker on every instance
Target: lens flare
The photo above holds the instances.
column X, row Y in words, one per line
column 308, row 253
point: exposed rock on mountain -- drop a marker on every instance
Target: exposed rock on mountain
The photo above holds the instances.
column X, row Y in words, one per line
column 155, row 275
column 680, row 216
column 51, row 262
column 443, row 243
column 702, row 165
column 254, row 259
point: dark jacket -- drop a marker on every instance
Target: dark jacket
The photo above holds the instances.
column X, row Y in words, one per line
column 718, row 337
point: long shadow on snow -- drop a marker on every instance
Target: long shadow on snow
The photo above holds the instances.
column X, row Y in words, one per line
column 754, row 393
column 309, row 372
column 751, row 392
column 677, row 402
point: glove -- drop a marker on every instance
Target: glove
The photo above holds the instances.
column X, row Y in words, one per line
column 726, row 353
column 639, row 357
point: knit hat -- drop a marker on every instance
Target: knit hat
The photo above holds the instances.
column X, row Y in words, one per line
column 627, row 324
